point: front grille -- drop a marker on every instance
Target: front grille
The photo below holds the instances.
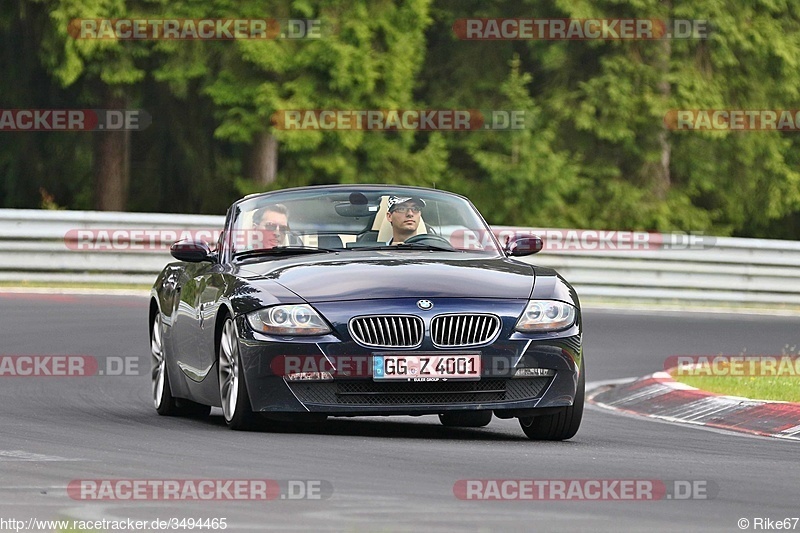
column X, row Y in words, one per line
column 449, row 331
column 387, row 331
column 417, row 393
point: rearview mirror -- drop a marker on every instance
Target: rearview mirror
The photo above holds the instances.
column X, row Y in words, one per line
column 192, row 251
column 346, row 209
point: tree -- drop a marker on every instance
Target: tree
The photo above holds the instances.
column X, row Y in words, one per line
column 33, row 164
column 368, row 59
column 107, row 72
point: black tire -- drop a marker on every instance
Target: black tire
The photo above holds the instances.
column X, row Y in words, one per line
column 233, row 394
column 165, row 403
column 466, row 419
column 558, row 426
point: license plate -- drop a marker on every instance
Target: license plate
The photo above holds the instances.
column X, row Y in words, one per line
column 426, row 367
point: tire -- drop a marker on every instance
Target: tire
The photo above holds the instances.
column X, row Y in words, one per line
column 466, row 419
column 165, row 403
column 232, row 387
column 558, row 426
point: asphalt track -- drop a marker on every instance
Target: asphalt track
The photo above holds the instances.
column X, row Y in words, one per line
column 386, row 474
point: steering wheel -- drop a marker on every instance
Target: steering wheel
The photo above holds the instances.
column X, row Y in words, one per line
column 427, row 238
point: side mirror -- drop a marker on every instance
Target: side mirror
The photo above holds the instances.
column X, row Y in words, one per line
column 521, row 246
column 192, row 251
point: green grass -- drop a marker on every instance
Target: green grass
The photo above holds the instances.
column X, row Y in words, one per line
column 779, row 388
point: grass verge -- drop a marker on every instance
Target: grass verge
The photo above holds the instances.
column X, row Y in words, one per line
column 777, row 382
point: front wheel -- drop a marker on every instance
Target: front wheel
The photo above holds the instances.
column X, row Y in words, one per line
column 562, row 425
column 165, row 403
column 232, row 387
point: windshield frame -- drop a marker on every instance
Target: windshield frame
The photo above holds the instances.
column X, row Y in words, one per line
column 250, row 203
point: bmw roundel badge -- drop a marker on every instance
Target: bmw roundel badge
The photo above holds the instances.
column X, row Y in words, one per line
column 425, row 305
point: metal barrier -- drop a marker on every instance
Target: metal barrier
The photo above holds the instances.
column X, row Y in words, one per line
column 718, row 269
column 45, row 246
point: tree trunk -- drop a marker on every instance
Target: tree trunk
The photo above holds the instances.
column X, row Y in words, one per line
column 111, row 162
column 662, row 176
column 262, row 166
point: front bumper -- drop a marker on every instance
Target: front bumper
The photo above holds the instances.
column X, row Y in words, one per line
column 359, row 394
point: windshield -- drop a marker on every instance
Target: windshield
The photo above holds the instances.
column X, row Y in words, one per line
column 353, row 218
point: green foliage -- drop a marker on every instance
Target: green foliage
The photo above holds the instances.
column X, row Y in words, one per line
column 594, row 150
column 531, row 183
column 368, row 60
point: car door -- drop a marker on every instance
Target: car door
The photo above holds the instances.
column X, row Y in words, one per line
column 189, row 321
column 210, row 285
column 200, row 288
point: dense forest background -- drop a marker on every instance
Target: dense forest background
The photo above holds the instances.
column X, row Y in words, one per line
column 595, row 152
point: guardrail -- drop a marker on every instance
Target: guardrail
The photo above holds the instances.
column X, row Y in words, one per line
column 35, row 245
column 685, row 268
column 43, row 246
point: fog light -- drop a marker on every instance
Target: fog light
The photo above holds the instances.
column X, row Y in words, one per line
column 309, row 376
column 534, row 372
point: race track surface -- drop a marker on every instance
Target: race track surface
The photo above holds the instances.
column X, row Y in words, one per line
column 386, row 474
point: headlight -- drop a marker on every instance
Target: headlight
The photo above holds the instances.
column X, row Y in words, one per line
column 288, row 320
column 546, row 315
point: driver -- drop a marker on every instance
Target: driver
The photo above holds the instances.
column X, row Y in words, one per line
column 271, row 224
column 404, row 215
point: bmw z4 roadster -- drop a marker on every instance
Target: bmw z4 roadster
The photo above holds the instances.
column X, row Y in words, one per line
column 366, row 300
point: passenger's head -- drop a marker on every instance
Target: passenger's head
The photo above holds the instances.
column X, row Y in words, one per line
column 404, row 215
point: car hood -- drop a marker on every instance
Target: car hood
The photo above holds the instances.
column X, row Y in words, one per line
column 410, row 275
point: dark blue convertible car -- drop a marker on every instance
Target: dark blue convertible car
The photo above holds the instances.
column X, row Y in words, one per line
column 364, row 300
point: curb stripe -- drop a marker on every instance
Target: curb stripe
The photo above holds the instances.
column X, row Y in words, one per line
column 659, row 396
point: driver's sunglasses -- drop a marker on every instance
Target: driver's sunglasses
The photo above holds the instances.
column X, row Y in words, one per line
column 274, row 227
column 414, row 209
